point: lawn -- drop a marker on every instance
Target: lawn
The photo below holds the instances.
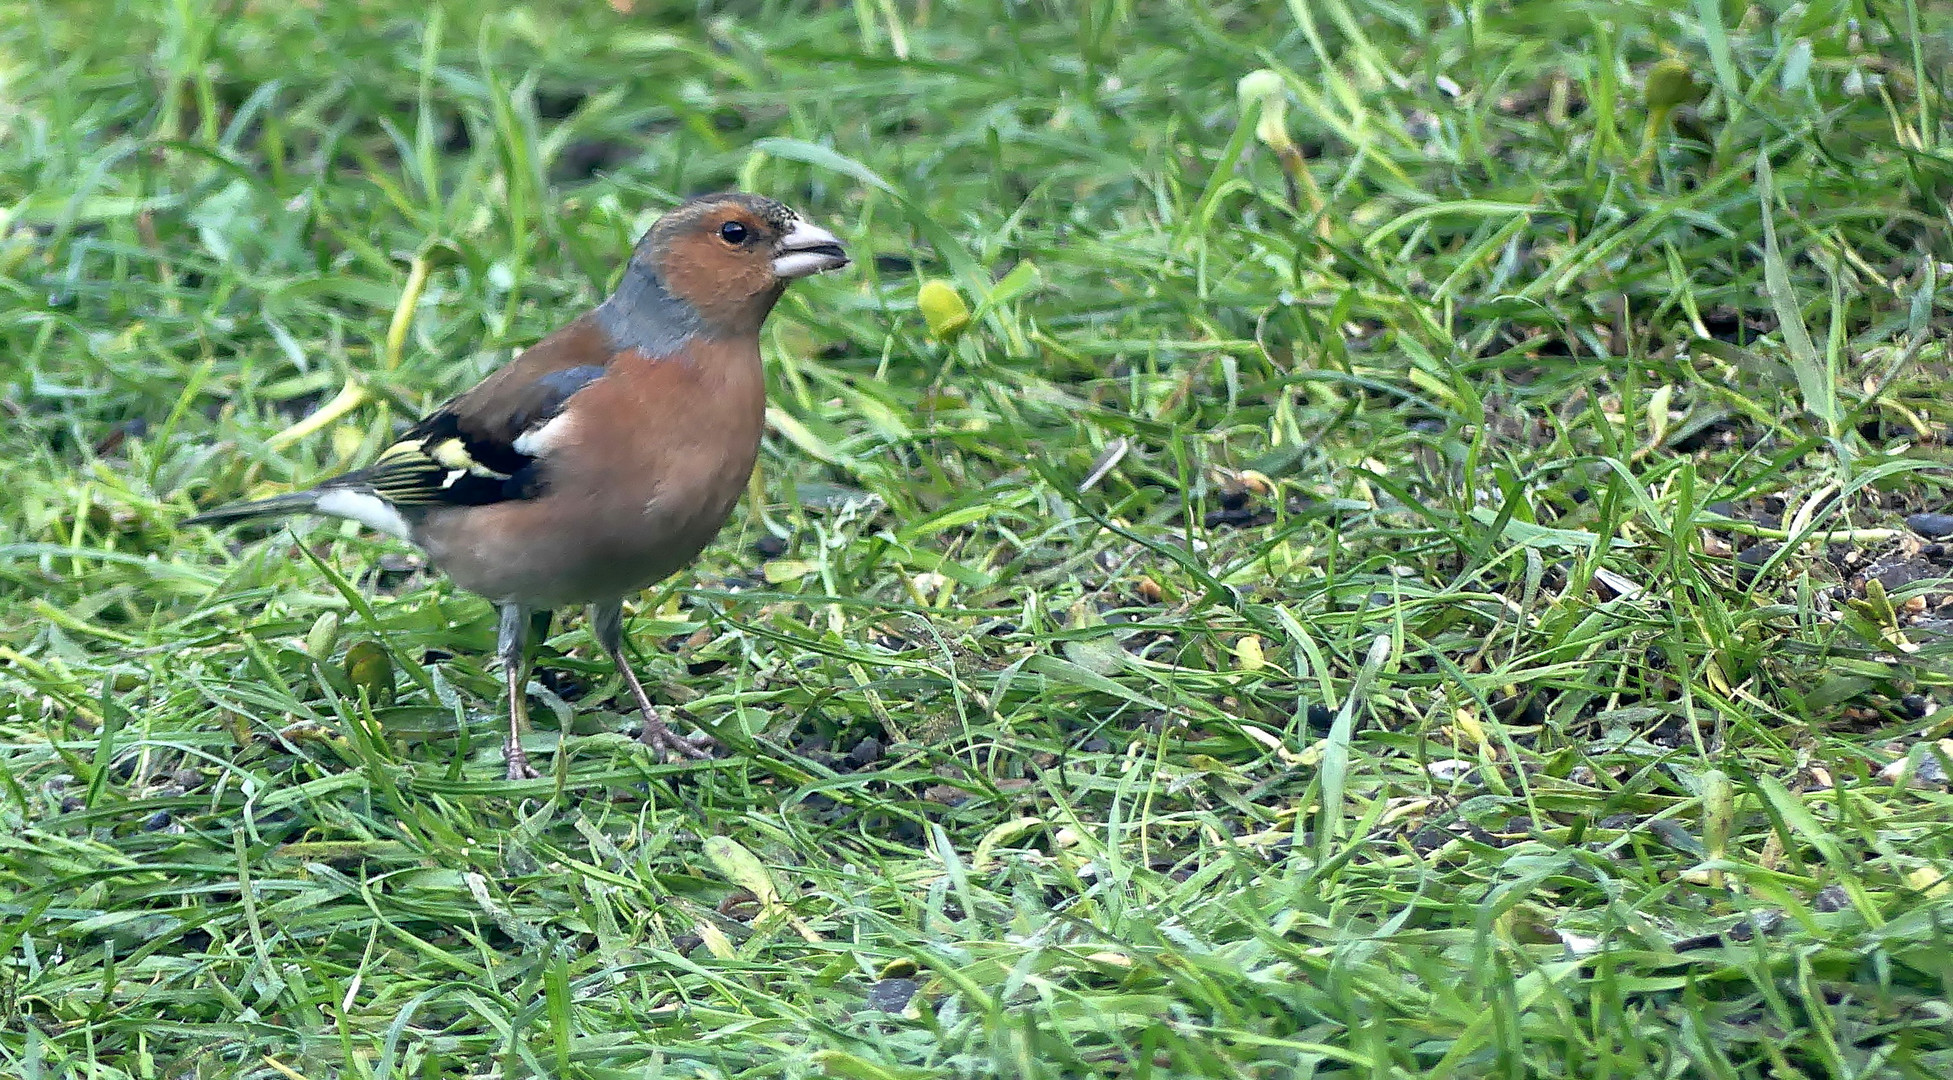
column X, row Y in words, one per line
column 1427, row 567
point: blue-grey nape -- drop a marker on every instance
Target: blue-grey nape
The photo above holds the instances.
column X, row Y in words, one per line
column 643, row 315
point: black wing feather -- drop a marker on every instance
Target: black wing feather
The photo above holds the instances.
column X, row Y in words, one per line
column 446, row 461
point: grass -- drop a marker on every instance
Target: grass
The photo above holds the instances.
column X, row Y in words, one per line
column 1453, row 616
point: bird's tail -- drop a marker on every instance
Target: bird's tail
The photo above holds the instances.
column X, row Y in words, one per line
column 297, row 502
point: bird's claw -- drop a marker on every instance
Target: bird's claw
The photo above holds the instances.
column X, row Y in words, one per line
column 518, row 762
column 672, row 746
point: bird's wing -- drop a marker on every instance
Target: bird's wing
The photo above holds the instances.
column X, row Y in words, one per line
column 478, row 448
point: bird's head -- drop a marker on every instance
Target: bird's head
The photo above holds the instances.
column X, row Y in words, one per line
column 727, row 257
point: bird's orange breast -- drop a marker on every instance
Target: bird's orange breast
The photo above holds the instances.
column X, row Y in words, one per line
column 642, row 476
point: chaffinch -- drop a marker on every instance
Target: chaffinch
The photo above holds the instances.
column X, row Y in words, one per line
column 603, row 459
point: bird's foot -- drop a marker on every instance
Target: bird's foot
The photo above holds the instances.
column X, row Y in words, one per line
column 672, row 746
column 518, row 761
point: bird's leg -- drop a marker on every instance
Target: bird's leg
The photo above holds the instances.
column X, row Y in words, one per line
column 512, row 648
column 607, row 621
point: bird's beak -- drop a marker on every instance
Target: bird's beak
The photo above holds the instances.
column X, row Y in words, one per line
column 807, row 249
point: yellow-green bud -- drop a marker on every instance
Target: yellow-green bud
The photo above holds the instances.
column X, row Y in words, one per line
column 943, row 309
column 369, row 668
column 1670, row 84
column 14, row 250
column 1259, row 86
column 319, row 640
column 1266, row 89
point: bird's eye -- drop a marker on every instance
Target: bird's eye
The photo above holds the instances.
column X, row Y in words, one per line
column 732, row 232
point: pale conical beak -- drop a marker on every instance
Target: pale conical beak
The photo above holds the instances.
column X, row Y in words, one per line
column 807, row 249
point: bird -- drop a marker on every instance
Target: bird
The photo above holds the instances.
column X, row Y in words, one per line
column 604, row 458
